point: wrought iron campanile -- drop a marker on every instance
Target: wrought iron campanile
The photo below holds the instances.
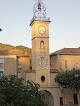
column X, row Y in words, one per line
column 39, row 11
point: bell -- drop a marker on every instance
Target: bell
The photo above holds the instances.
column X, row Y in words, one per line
column 39, row 6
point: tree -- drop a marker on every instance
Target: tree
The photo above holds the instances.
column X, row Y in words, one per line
column 14, row 93
column 69, row 79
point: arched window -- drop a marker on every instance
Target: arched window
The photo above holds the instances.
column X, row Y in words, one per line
column 42, row 44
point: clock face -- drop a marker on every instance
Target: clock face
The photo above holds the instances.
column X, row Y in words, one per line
column 42, row 29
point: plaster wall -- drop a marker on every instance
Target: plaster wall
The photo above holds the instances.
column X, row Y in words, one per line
column 55, row 62
column 24, row 62
column 52, row 79
column 10, row 65
column 58, row 62
column 31, row 77
column 73, row 61
column 57, row 92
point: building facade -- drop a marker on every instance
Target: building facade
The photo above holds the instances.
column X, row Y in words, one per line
column 65, row 59
column 44, row 67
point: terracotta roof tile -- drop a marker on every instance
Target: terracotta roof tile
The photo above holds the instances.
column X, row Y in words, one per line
column 54, row 71
column 67, row 51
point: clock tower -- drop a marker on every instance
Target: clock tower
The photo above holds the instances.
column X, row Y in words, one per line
column 40, row 44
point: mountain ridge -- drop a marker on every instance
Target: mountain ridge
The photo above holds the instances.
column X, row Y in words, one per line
column 7, row 49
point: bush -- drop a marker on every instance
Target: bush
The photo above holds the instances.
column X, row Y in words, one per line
column 14, row 93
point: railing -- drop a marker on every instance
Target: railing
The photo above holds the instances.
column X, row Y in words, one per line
column 40, row 19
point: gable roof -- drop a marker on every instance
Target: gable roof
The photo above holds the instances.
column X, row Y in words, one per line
column 67, row 51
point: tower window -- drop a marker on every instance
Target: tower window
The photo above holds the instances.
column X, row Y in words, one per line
column 1, row 60
column 42, row 44
column 43, row 78
column 75, row 99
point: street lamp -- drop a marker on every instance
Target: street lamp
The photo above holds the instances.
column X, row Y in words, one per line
column 77, row 74
column 0, row 29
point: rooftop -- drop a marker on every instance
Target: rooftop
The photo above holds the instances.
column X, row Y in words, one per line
column 67, row 51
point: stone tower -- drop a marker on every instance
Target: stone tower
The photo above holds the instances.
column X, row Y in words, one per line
column 40, row 44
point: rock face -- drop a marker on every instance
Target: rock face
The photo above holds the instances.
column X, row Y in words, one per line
column 6, row 49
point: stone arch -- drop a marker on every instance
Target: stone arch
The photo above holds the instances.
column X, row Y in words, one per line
column 47, row 97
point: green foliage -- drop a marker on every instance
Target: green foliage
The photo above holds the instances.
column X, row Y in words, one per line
column 14, row 93
column 70, row 104
column 68, row 79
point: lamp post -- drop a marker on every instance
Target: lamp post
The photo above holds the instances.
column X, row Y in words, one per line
column 76, row 76
column 0, row 44
column 0, row 29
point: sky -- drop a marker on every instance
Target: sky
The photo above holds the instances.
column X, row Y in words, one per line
column 64, row 29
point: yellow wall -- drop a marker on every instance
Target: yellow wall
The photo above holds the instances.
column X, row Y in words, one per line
column 58, row 62
column 35, row 25
column 73, row 61
column 41, row 66
column 52, row 79
column 9, row 65
column 55, row 62
column 31, row 77
column 24, row 62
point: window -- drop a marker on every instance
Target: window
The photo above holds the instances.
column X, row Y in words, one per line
column 43, row 78
column 30, row 62
column 1, row 60
column 43, row 97
column 75, row 99
column 66, row 64
column 19, row 75
column 42, row 44
column 1, row 72
column 50, row 60
column 61, row 100
column 60, row 64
